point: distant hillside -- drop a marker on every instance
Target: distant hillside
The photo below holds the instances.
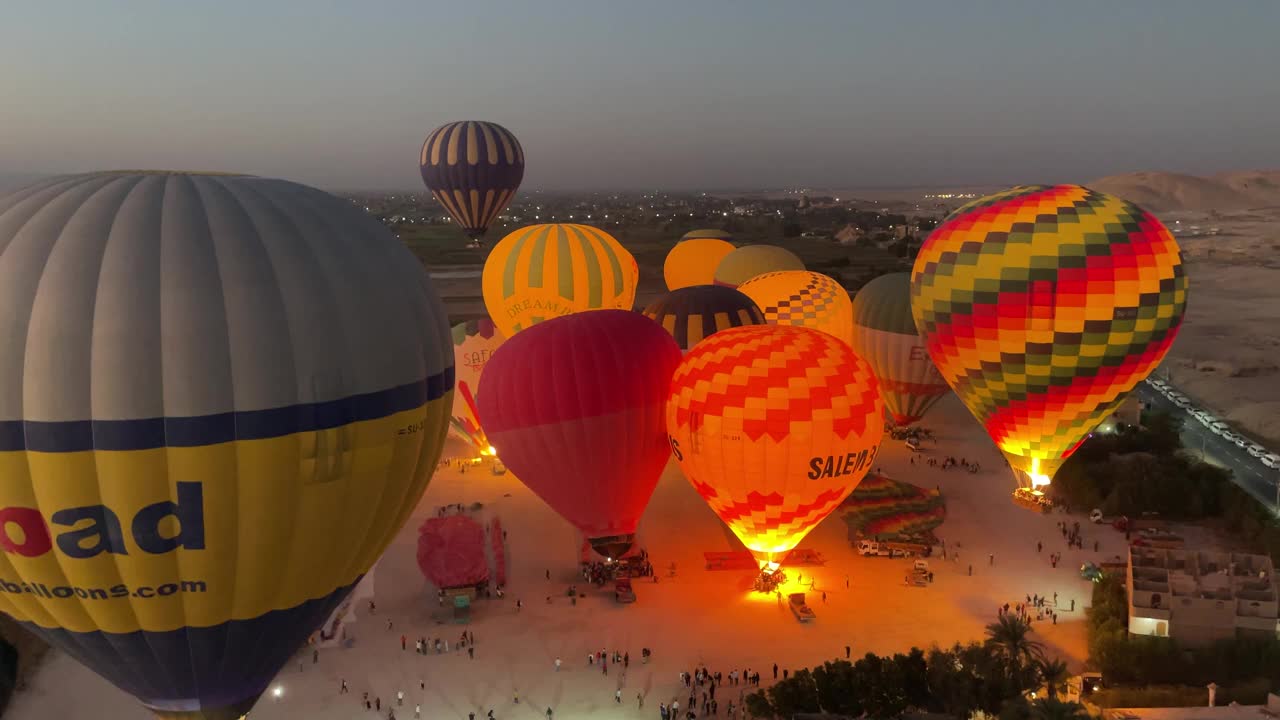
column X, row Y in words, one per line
column 1164, row 192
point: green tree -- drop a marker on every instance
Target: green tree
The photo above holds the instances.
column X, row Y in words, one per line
column 798, row 694
column 1054, row 674
column 1054, row 709
column 757, row 703
column 914, row 671
column 1010, row 637
column 836, row 688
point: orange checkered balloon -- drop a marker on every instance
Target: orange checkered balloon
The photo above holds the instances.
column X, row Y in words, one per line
column 774, row 426
column 803, row 298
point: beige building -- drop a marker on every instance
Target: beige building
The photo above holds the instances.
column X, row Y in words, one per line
column 1199, row 597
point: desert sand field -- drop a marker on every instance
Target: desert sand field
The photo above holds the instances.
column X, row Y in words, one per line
column 694, row 617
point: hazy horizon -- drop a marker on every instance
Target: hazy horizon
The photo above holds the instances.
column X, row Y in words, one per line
column 730, row 96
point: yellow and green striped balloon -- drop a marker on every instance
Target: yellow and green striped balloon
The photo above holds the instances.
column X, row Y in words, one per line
column 544, row 271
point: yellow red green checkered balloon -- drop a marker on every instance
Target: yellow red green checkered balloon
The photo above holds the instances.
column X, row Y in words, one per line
column 1043, row 307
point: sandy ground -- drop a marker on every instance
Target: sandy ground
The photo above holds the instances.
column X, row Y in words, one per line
column 695, row 617
column 1227, row 355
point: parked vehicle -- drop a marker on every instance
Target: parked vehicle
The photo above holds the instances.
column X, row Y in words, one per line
column 1256, row 450
column 1272, row 461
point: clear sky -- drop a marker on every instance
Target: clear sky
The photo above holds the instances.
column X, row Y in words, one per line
column 607, row 94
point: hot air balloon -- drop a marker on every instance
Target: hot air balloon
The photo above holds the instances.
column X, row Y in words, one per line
column 545, row 271
column 774, row 426
column 884, row 334
column 804, row 299
column 749, row 261
column 574, row 407
column 707, row 233
column 693, row 261
column 1043, row 307
column 222, row 396
column 473, row 168
column 693, row 313
column 474, row 342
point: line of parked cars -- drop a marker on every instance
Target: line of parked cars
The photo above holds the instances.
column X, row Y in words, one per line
column 1218, row 427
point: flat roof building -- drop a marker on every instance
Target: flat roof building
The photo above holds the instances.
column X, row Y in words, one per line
column 1199, row 597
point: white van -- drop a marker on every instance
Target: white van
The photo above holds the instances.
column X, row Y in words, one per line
column 1271, row 460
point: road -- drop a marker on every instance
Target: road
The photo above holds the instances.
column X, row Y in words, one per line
column 1248, row 472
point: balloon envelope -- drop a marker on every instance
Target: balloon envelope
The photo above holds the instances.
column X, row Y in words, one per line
column 707, row 233
column 774, row 426
column 545, row 271
column 221, row 397
column 749, row 261
column 884, row 334
column 574, row 407
column 803, row 299
column 694, row 262
column 473, row 168
column 474, row 342
column 1043, row 307
column 693, row 313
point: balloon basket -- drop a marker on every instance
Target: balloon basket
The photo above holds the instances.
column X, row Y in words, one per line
column 1033, row 500
column 771, row 577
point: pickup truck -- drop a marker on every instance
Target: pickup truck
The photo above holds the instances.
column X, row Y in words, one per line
column 798, row 607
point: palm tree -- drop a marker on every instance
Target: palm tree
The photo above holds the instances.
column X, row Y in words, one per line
column 1052, row 709
column 1009, row 637
column 1054, row 674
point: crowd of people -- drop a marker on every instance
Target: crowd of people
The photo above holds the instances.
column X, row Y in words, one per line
column 949, row 462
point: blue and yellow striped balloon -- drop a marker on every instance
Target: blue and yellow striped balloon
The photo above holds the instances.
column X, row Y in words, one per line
column 545, row 271
column 220, row 398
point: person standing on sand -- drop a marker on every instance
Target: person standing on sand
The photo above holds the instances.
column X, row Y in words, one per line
column 640, row 701
column 557, row 664
column 617, row 696
column 846, row 652
column 417, row 711
column 404, row 641
column 400, row 697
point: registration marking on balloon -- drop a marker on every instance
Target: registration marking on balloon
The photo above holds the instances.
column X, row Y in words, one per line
column 774, row 426
column 1044, row 306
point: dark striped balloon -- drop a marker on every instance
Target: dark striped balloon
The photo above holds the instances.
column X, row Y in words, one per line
column 693, row 313
column 473, row 168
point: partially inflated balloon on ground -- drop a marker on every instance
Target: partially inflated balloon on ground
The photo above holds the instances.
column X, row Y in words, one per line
column 544, row 271
column 803, row 299
column 692, row 314
column 774, row 426
column 693, row 261
column 473, row 169
column 1043, row 307
column 574, row 407
column 474, row 342
column 749, row 261
column 884, row 334
column 220, row 398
